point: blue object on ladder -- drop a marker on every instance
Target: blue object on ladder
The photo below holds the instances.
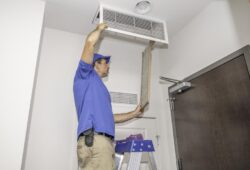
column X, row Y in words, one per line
column 134, row 146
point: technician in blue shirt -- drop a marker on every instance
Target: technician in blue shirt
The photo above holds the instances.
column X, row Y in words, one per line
column 96, row 120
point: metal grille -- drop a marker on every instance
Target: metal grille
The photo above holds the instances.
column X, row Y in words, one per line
column 109, row 16
column 133, row 24
column 125, row 98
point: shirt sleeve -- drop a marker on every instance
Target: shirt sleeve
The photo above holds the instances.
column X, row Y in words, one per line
column 83, row 70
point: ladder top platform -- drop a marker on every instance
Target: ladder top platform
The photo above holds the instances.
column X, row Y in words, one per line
column 134, row 146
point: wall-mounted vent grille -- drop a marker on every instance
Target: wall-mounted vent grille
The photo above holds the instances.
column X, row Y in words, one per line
column 124, row 98
column 133, row 25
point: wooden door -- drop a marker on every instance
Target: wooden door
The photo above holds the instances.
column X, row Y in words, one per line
column 212, row 119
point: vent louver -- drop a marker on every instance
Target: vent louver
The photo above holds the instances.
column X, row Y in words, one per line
column 124, row 98
column 133, row 25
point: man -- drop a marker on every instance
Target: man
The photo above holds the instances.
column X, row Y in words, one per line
column 93, row 104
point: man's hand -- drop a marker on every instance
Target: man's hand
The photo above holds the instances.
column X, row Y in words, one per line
column 101, row 26
column 123, row 117
column 138, row 111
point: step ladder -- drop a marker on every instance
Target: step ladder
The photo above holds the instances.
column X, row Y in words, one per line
column 134, row 147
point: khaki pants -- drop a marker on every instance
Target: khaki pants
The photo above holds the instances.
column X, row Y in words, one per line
column 101, row 156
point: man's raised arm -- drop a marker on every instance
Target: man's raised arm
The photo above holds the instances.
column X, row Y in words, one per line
column 91, row 40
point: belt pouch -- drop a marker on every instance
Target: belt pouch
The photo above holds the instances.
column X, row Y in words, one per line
column 89, row 137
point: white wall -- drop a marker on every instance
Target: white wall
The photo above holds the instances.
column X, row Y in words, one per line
column 241, row 13
column 220, row 29
column 21, row 25
column 52, row 140
column 208, row 37
column 52, row 130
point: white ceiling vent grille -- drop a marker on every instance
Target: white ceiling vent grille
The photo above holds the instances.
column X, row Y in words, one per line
column 133, row 25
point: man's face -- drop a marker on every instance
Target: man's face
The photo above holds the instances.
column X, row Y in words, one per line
column 102, row 67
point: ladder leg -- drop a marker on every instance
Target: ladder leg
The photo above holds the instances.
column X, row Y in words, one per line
column 134, row 161
column 152, row 161
column 118, row 161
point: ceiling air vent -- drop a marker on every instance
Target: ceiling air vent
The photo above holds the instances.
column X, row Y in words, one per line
column 132, row 25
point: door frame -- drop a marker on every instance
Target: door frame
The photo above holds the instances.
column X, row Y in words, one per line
column 245, row 51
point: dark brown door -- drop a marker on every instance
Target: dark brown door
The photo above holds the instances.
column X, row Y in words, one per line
column 212, row 119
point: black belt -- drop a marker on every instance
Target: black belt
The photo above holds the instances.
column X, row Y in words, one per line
column 100, row 133
column 105, row 134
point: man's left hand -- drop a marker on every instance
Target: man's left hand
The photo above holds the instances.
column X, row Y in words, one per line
column 138, row 111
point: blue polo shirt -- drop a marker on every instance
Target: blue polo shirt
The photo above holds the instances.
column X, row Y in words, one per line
column 92, row 101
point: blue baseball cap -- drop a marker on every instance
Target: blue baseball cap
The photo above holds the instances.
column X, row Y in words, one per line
column 99, row 56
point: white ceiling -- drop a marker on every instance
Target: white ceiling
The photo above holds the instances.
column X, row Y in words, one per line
column 76, row 15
